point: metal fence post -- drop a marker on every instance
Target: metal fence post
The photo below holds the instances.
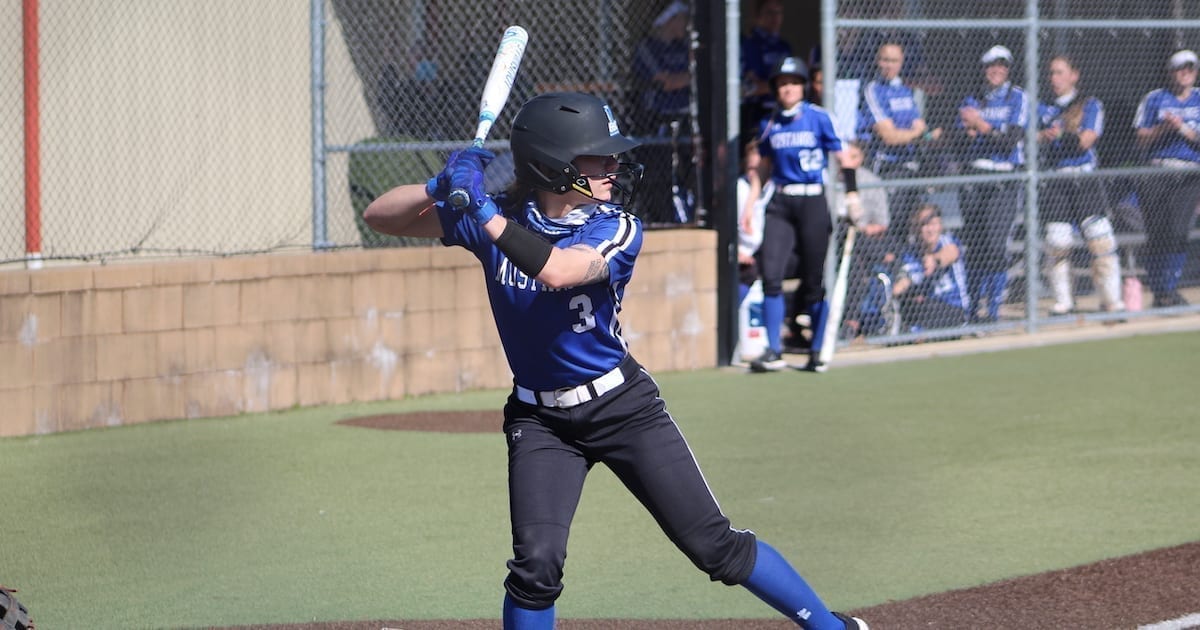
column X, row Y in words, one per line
column 320, row 230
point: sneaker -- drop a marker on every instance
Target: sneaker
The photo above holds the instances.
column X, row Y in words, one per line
column 852, row 623
column 770, row 361
column 1062, row 309
column 1169, row 299
column 815, row 364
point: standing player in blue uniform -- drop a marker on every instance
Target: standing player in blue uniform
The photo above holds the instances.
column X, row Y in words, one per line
column 557, row 250
column 994, row 122
column 794, row 142
column 1168, row 129
column 1070, row 124
column 892, row 125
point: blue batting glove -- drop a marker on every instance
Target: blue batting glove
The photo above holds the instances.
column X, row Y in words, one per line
column 466, row 178
column 438, row 186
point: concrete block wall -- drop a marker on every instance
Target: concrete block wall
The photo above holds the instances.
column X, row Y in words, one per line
column 93, row 346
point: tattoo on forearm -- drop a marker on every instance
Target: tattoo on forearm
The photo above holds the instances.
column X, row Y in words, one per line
column 597, row 269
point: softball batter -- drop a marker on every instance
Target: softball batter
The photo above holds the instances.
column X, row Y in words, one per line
column 794, row 143
column 557, row 250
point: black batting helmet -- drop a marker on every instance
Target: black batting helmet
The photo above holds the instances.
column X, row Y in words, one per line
column 789, row 65
column 551, row 130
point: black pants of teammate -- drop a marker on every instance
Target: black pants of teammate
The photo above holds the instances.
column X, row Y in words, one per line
column 902, row 200
column 989, row 217
column 799, row 225
column 1169, row 206
column 551, row 450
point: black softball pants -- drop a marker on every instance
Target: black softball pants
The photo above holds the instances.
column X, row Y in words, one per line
column 989, row 218
column 801, row 225
column 551, row 450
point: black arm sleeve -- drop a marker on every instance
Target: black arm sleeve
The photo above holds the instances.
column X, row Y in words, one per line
column 527, row 250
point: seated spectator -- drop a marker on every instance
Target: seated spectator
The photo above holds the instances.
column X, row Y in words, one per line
column 761, row 50
column 663, row 96
column 931, row 279
column 872, row 243
column 660, row 67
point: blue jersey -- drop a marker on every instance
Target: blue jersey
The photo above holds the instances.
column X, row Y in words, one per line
column 654, row 56
column 948, row 284
column 1003, row 108
column 761, row 52
column 894, row 101
column 1068, row 155
column 797, row 144
column 1150, row 113
column 556, row 337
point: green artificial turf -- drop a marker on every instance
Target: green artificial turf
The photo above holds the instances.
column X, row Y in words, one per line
column 879, row 482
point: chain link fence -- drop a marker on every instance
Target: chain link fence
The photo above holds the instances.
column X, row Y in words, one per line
column 1040, row 159
column 223, row 127
column 420, row 67
column 175, row 128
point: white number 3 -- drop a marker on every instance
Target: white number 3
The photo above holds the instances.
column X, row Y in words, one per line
column 587, row 319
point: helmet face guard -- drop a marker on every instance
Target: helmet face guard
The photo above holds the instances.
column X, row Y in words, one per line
column 625, row 180
column 551, row 130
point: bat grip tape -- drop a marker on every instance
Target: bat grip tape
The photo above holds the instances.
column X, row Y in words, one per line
column 526, row 249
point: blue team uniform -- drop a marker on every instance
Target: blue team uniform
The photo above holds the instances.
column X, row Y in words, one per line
column 1061, row 155
column 947, row 285
column 1003, row 108
column 884, row 100
column 990, row 209
column 761, row 51
column 1169, row 202
column 577, row 328
column 652, row 57
column 937, row 300
column 797, row 217
column 797, row 144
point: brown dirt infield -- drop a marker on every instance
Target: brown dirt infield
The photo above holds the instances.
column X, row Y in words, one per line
column 1119, row 593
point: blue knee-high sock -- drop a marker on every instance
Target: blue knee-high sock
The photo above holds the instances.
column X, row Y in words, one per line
column 517, row 618
column 772, row 308
column 775, row 582
column 976, row 288
column 1173, row 271
column 995, row 293
column 819, row 312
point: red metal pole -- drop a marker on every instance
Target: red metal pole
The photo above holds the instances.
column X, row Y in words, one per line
column 33, row 181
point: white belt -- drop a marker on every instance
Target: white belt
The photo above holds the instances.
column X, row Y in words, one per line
column 571, row 396
column 802, row 190
column 1174, row 163
column 992, row 165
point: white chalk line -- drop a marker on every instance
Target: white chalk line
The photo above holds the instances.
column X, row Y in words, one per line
column 1179, row 623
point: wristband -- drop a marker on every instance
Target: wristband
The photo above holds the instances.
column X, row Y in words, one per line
column 482, row 211
column 527, row 250
column 851, row 180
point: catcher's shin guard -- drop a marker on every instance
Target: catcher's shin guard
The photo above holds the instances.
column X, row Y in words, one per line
column 1106, row 267
column 1059, row 238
